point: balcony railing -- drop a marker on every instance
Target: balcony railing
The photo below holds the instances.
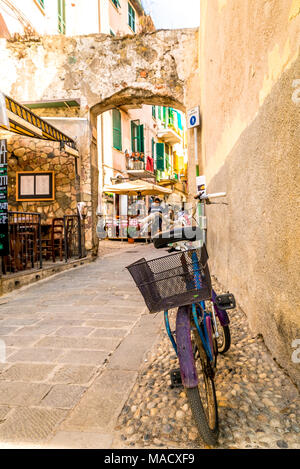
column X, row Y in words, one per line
column 140, row 164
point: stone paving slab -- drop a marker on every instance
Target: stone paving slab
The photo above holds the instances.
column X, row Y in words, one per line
column 63, row 396
column 89, row 343
column 73, row 374
column 22, row 394
column 30, row 372
column 81, row 440
column 102, row 403
column 27, row 424
column 60, row 381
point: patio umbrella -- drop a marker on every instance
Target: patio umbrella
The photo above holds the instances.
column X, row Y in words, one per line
column 137, row 188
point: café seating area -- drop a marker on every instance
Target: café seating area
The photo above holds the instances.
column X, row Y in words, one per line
column 34, row 243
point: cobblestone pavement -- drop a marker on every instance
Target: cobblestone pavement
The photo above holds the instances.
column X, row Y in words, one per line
column 73, row 349
column 258, row 404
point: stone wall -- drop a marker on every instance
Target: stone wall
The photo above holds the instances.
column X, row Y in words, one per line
column 250, row 149
column 39, row 155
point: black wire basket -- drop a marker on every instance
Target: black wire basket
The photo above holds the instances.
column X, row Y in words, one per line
column 175, row 280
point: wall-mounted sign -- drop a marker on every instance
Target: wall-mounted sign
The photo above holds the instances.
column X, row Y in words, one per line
column 193, row 117
column 3, row 111
column 35, row 186
column 4, row 244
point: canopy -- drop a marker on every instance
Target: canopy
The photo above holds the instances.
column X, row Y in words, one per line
column 136, row 188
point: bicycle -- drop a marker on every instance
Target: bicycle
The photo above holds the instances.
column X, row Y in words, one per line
column 182, row 280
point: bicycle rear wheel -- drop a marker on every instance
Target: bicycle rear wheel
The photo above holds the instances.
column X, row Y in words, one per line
column 202, row 398
column 224, row 339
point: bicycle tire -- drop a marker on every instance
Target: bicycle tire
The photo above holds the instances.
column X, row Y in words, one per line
column 226, row 343
column 208, row 435
column 207, row 426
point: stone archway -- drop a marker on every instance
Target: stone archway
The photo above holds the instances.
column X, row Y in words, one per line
column 159, row 68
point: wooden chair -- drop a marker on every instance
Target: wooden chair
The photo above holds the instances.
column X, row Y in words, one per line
column 54, row 243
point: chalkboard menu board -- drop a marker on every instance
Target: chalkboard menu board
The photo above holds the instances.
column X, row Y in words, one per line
column 4, row 245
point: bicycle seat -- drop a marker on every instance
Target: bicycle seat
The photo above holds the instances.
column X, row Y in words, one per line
column 185, row 233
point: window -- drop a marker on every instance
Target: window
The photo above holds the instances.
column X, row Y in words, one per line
column 160, row 157
column 62, row 16
column 117, row 129
column 35, row 186
column 137, row 137
column 154, row 112
column 131, row 17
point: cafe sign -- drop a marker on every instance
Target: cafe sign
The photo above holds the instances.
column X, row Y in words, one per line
column 4, row 245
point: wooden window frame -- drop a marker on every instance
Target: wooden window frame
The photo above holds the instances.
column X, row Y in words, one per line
column 35, row 197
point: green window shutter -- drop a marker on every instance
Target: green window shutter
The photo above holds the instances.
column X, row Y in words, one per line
column 141, row 139
column 154, row 112
column 153, row 147
column 171, row 116
column 117, row 129
column 179, row 120
column 160, row 156
column 159, row 112
column 61, row 10
column 135, row 137
column 164, row 116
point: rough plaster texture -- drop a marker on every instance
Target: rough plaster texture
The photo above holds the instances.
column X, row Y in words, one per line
column 251, row 150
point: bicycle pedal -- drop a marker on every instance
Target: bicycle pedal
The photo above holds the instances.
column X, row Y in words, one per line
column 175, row 376
column 225, row 301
